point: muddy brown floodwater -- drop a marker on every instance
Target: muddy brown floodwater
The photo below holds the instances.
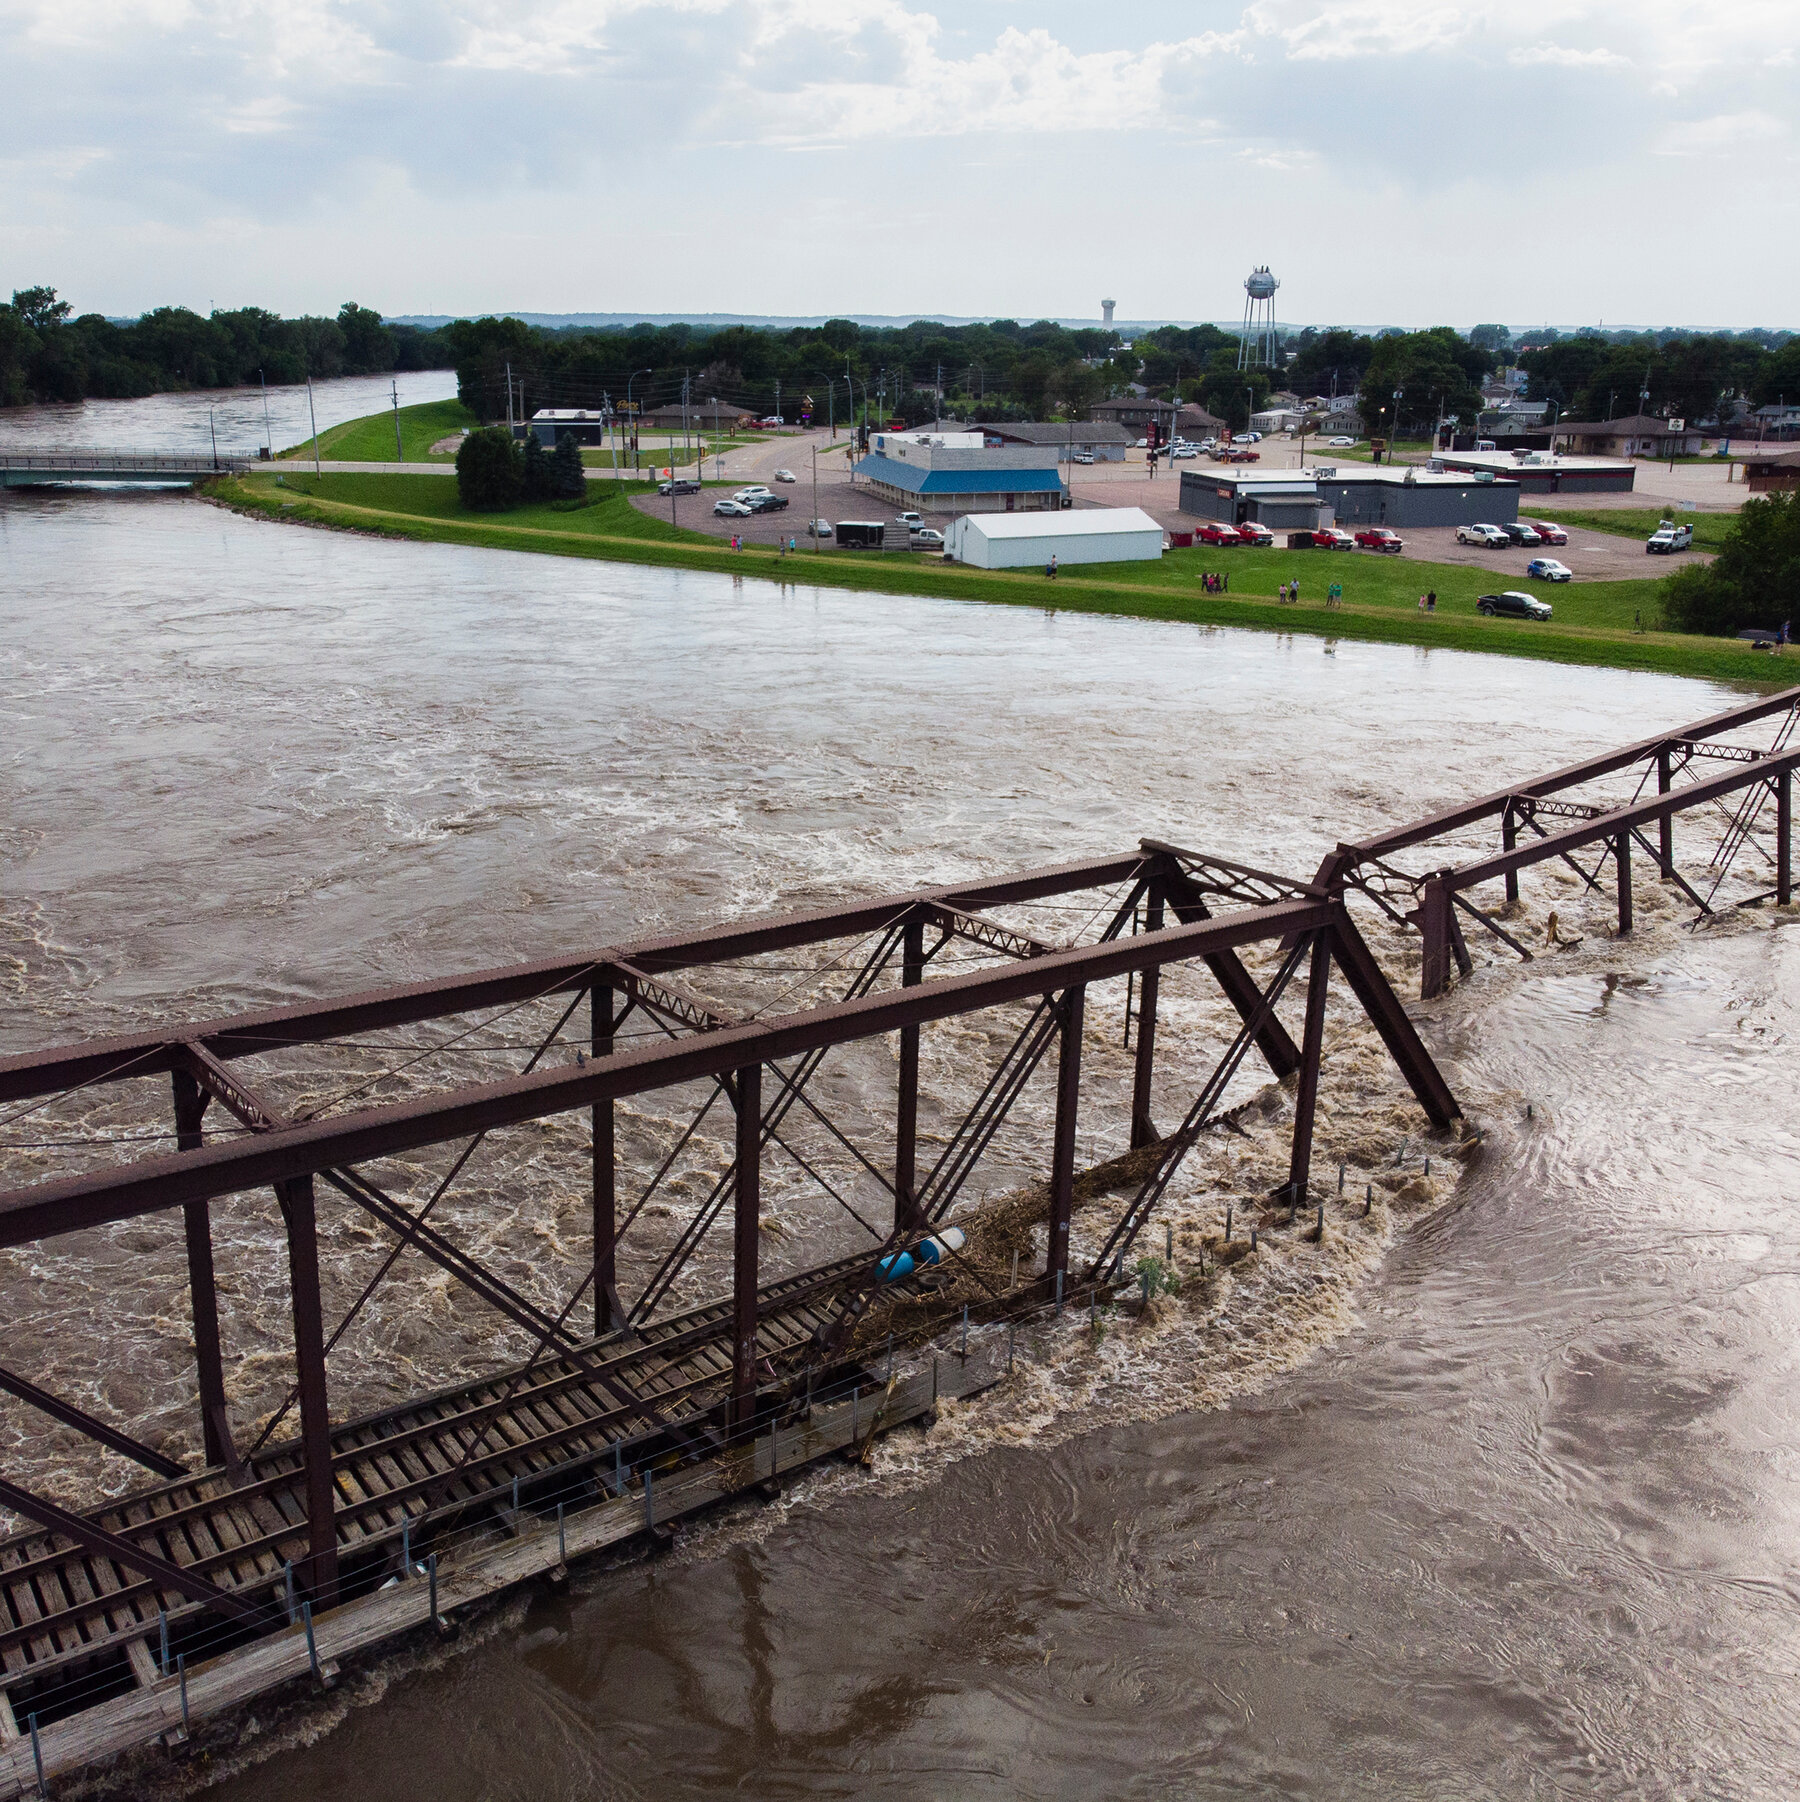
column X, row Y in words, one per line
column 1516, row 1514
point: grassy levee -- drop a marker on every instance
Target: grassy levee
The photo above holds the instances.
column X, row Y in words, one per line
column 1594, row 621
column 371, row 439
column 1640, row 522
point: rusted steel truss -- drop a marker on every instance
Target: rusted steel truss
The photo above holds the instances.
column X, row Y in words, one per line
column 1540, row 820
column 888, row 966
column 692, row 1015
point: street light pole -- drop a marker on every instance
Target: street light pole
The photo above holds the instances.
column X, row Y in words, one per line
column 633, row 415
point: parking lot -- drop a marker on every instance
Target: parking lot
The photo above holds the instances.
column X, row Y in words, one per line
column 1592, row 556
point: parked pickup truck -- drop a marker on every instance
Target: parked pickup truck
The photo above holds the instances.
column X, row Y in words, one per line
column 1379, row 538
column 1669, row 537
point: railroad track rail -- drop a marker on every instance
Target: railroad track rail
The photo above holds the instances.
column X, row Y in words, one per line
column 400, row 1475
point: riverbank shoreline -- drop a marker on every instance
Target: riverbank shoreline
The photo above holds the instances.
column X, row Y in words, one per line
column 642, row 541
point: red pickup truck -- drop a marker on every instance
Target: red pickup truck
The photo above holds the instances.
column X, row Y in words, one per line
column 1379, row 538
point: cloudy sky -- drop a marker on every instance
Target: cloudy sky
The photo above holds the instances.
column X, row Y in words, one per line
column 1403, row 161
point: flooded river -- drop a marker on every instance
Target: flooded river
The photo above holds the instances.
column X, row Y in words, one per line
column 1523, row 1523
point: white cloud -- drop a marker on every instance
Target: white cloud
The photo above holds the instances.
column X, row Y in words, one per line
column 1725, row 134
column 1560, row 56
column 165, row 120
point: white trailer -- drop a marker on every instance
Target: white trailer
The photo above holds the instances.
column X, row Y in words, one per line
column 1027, row 540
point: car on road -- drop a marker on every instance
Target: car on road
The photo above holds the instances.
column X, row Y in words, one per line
column 1219, row 532
column 1481, row 534
column 1547, row 569
column 1333, row 538
column 767, row 503
column 1513, row 605
column 750, row 493
column 1238, row 454
column 1251, row 532
column 1250, row 437
column 1182, row 452
column 1669, row 537
column 772, row 419
column 1518, row 532
column 818, row 528
column 1549, row 533
column 912, row 521
column 1083, row 457
column 785, row 475
column 927, row 538
column 732, row 510
column 1380, row 538
column 680, row 485
column 1340, row 443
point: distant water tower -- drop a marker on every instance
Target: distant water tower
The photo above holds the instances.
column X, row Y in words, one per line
column 1106, row 307
column 1256, row 348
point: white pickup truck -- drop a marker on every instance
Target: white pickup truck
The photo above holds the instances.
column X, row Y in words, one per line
column 1667, row 538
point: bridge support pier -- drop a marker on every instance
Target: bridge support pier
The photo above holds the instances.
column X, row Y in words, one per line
column 1062, row 1151
column 1622, row 857
column 746, row 1219
column 296, row 1198
column 906, row 1127
column 1143, row 1132
column 1665, row 827
column 607, row 1312
column 203, row 1295
column 1784, row 838
column 1312, row 1046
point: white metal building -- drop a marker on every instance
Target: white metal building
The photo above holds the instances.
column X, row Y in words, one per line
column 1022, row 540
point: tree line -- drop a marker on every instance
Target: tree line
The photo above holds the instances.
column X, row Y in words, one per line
column 47, row 355
column 1405, row 382
column 1595, row 375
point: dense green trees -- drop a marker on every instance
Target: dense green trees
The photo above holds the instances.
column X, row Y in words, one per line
column 490, row 470
column 1435, row 374
column 46, row 355
column 1754, row 580
column 568, row 479
column 1591, row 376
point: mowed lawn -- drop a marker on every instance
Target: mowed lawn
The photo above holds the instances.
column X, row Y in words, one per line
column 371, row 439
column 1640, row 522
column 1610, row 623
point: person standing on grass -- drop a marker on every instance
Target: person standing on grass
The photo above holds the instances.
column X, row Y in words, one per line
column 1431, row 600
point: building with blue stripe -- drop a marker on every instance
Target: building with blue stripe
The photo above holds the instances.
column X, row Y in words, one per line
column 958, row 472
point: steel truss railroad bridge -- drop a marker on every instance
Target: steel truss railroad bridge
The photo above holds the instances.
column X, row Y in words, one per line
column 221, row 1556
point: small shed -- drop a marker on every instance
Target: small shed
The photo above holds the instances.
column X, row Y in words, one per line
column 1028, row 540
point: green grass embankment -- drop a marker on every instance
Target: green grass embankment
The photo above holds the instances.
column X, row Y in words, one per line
column 1594, row 621
column 371, row 439
column 1640, row 522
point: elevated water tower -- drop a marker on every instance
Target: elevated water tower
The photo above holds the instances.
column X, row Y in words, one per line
column 1106, row 310
column 1256, row 347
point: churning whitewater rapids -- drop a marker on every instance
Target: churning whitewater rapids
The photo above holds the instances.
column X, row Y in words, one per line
column 1505, row 1504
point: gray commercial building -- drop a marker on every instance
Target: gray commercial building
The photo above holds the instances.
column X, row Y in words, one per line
column 1102, row 440
column 1282, row 500
column 1416, row 497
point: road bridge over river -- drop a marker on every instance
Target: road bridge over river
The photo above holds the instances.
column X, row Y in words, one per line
column 51, row 467
column 278, row 1552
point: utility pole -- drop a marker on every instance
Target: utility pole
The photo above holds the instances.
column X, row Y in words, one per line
column 612, row 436
column 399, row 453
column 814, row 528
column 778, row 397
column 212, row 426
column 312, row 414
column 268, row 430
column 509, row 418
